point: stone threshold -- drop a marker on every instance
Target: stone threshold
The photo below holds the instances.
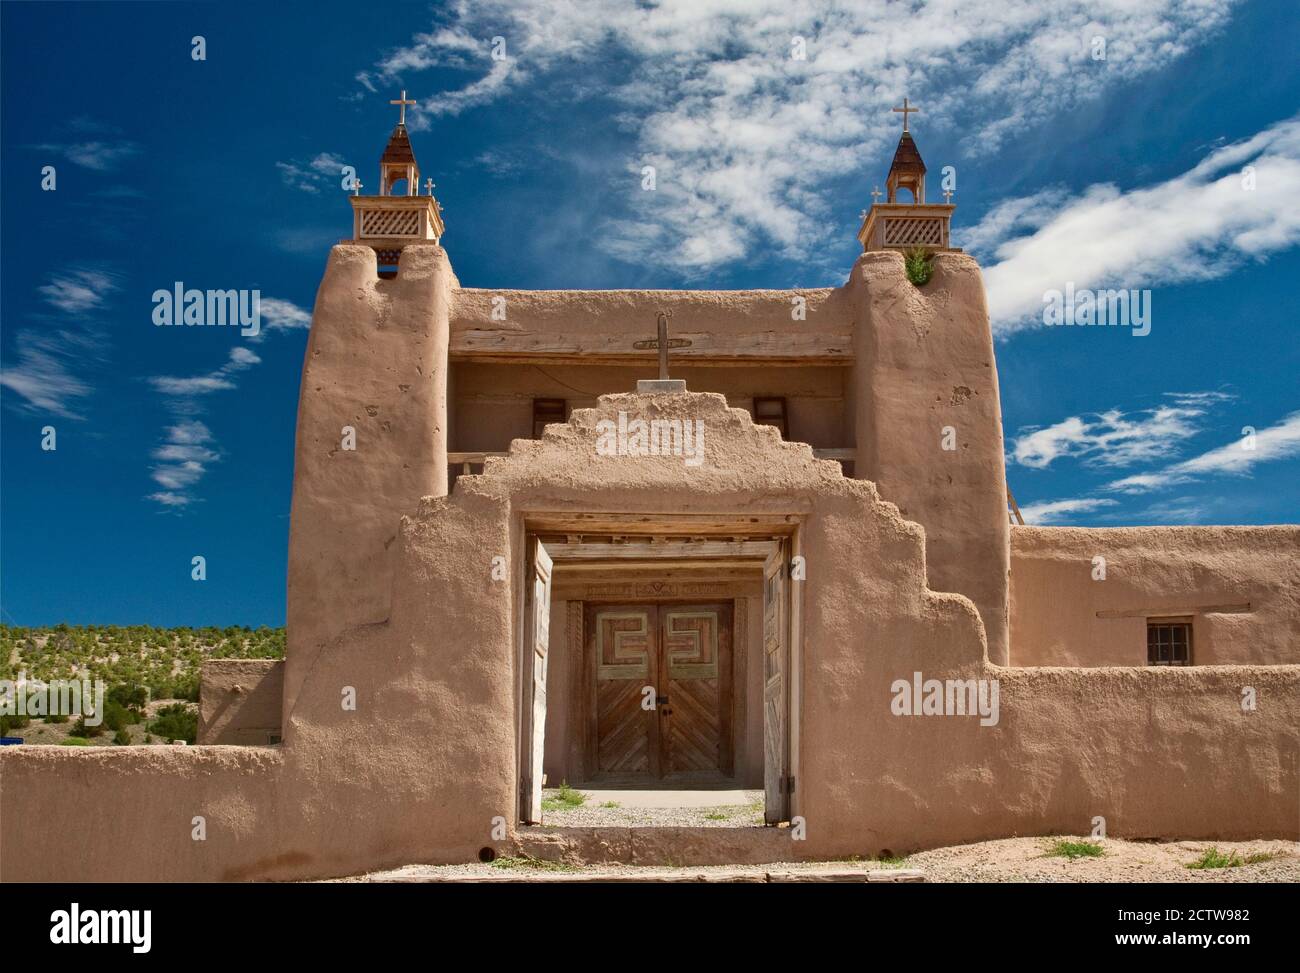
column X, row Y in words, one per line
column 714, row 877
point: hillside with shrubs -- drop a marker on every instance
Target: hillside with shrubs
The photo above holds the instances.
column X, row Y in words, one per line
column 151, row 676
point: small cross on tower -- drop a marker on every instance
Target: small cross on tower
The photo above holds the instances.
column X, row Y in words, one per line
column 947, row 195
column 403, row 102
column 875, row 195
column 905, row 111
column 356, row 186
column 428, row 186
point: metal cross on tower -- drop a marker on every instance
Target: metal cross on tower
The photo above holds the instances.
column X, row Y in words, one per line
column 905, row 110
column 403, row 102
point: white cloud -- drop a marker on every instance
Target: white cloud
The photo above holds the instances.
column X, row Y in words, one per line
column 78, row 290
column 1114, row 438
column 43, row 375
column 101, row 156
column 214, row 381
column 1058, row 511
column 188, row 449
column 1239, row 458
column 183, row 458
column 323, row 171
column 1199, row 225
column 279, row 313
column 744, row 136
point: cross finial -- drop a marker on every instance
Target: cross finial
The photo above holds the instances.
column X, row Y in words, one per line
column 428, row 185
column 662, row 322
column 905, row 110
column 875, row 195
column 403, row 102
column 947, row 195
column 663, row 342
column 356, row 187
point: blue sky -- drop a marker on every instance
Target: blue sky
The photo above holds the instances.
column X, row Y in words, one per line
column 1123, row 171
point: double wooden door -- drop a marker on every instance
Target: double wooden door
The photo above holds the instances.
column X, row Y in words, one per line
column 660, row 689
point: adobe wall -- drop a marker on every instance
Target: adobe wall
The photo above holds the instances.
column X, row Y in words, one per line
column 604, row 324
column 427, row 759
column 924, row 361
column 493, row 403
column 376, row 361
column 240, row 701
column 1060, row 616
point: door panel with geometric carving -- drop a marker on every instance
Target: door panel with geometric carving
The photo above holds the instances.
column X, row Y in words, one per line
column 695, row 720
column 684, row 653
column 622, row 644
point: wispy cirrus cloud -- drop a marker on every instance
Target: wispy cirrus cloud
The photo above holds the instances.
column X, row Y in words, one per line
column 93, row 145
column 49, row 364
column 45, row 376
column 78, row 290
column 1270, row 444
column 1115, row 438
column 188, row 449
column 325, row 170
column 1051, row 512
column 743, row 134
column 183, row 458
column 217, row 380
column 1235, row 205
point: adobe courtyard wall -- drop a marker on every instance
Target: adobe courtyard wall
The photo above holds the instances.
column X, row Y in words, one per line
column 1240, row 586
column 241, row 701
column 402, row 746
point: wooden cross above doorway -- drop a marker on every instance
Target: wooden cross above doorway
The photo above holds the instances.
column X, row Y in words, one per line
column 663, row 343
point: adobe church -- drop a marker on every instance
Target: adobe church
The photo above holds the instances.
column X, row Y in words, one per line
column 755, row 539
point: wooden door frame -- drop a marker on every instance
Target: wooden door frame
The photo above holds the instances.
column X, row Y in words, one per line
column 724, row 548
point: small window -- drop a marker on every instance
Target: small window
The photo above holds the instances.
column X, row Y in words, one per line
column 546, row 411
column 769, row 410
column 1169, row 642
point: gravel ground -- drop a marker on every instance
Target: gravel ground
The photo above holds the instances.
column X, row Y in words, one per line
column 1006, row 860
column 604, row 816
column 1024, row 860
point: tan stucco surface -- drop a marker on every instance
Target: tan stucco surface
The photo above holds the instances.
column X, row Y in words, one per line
column 425, row 763
column 240, row 701
column 1250, row 574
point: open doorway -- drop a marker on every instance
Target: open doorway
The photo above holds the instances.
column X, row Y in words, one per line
column 661, row 676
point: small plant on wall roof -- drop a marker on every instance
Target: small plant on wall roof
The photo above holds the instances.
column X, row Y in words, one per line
column 919, row 265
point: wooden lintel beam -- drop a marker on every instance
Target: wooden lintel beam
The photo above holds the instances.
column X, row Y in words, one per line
column 1175, row 612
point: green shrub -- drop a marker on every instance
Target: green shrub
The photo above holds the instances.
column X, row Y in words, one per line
column 75, row 742
column 83, row 729
column 919, row 264
column 176, row 722
column 122, row 738
column 13, row 722
column 1064, row 848
column 129, row 697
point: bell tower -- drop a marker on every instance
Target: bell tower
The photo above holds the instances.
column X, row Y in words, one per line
column 389, row 222
column 398, row 160
column 898, row 225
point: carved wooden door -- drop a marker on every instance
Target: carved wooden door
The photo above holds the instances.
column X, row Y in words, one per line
column 695, row 672
column 622, row 646
column 662, row 696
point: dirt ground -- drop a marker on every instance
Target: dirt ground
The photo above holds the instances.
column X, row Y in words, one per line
column 1005, row 860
